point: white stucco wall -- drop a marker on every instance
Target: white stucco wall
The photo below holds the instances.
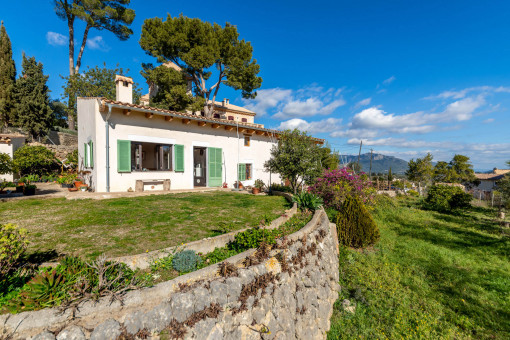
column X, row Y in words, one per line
column 486, row 185
column 16, row 143
column 136, row 127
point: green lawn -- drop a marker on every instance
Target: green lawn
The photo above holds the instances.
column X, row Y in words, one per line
column 125, row 226
column 431, row 276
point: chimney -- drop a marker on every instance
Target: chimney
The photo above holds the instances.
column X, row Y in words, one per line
column 225, row 102
column 124, row 89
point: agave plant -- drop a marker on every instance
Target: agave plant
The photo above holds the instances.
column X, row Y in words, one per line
column 307, row 201
column 43, row 290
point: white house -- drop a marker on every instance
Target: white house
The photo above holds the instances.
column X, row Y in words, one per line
column 126, row 146
column 9, row 143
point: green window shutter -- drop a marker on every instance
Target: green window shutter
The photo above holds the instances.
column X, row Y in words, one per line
column 86, row 155
column 215, row 166
column 123, row 155
column 179, row 157
column 242, row 172
column 91, row 147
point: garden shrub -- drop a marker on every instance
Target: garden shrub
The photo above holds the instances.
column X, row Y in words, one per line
column 252, row 238
column 186, row 261
column 356, row 227
column 446, row 198
column 307, row 201
column 5, row 163
column 13, row 245
column 335, row 185
column 34, row 159
column 413, row 193
column 281, row 188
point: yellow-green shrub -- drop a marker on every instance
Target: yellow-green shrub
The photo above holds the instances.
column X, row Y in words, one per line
column 13, row 244
column 356, row 227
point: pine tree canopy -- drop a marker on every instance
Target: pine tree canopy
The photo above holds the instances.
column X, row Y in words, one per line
column 196, row 47
column 7, row 78
column 33, row 110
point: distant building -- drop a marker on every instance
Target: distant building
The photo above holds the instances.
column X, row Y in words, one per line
column 488, row 181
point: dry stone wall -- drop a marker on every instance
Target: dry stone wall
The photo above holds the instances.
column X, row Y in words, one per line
column 286, row 292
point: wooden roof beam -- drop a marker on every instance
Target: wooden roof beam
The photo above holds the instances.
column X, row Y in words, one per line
column 186, row 121
column 215, row 126
column 200, row 123
column 258, row 132
column 229, row 127
column 126, row 112
column 169, row 118
column 149, row 115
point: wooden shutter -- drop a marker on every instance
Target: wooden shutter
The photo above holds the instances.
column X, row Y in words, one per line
column 179, row 157
column 86, row 155
column 91, row 157
column 215, row 166
column 123, row 155
column 242, row 172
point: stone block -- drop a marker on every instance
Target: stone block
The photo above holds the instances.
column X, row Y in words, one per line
column 181, row 305
column 71, row 333
column 108, row 330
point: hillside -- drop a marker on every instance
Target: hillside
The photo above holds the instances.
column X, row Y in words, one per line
column 380, row 163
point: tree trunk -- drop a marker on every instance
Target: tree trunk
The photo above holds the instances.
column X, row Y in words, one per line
column 82, row 48
column 70, row 117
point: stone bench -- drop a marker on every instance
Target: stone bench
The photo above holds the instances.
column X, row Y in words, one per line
column 140, row 183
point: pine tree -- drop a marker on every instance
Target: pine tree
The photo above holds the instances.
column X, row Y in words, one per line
column 33, row 102
column 356, row 227
column 7, row 78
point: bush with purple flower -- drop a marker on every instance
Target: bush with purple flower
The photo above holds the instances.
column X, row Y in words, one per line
column 335, row 185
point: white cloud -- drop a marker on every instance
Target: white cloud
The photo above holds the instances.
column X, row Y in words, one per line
column 389, row 80
column 321, row 126
column 364, row 102
column 97, row 43
column 267, row 99
column 56, row 39
column 458, row 94
column 287, row 104
column 489, row 120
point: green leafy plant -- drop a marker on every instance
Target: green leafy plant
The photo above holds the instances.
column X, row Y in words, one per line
column 259, row 184
column 252, row 238
column 447, row 198
column 413, row 193
column 6, row 166
column 13, row 244
column 186, row 261
column 5, row 184
column 34, row 159
column 307, row 201
column 356, row 227
column 43, row 290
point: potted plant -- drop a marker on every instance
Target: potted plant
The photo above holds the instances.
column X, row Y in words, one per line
column 78, row 182
column 225, row 185
column 5, row 184
column 29, row 189
column 238, row 185
column 20, row 184
column 258, row 187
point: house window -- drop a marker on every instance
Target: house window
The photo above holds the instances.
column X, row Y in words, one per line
column 125, row 83
column 244, row 120
column 230, row 117
column 245, row 172
column 88, row 155
column 247, row 140
column 151, row 157
column 216, row 115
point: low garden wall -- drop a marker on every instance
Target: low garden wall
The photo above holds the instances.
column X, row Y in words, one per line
column 284, row 292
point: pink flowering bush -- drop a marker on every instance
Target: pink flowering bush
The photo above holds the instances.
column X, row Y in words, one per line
column 335, row 185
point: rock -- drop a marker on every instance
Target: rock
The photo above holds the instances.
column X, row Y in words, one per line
column 71, row 333
column 182, row 306
column 219, row 292
column 202, row 299
column 216, row 333
column 346, row 305
column 204, row 328
column 234, row 287
column 159, row 317
column 44, row 336
column 134, row 322
column 108, row 330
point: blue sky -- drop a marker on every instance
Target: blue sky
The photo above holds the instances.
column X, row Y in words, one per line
column 406, row 77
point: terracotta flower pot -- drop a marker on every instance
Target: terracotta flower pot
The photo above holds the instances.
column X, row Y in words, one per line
column 255, row 191
column 78, row 184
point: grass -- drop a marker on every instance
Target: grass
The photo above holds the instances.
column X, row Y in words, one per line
column 431, row 276
column 126, row 226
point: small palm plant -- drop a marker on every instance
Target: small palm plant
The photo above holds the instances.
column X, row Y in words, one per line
column 307, row 201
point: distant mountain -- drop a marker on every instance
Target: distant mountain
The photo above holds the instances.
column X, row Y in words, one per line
column 380, row 163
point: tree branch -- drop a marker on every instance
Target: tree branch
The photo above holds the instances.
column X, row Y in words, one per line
column 82, row 48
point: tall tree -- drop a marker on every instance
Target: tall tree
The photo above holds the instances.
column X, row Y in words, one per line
column 7, row 78
column 390, row 177
column 421, row 170
column 296, row 157
column 462, row 170
column 442, row 172
column 110, row 15
column 504, row 187
column 196, row 47
column 33, row 111
column 171, row 87
column 96, row 82
column 329, row 160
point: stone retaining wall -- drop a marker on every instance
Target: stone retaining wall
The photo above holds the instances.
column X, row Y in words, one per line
column 283, row 293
